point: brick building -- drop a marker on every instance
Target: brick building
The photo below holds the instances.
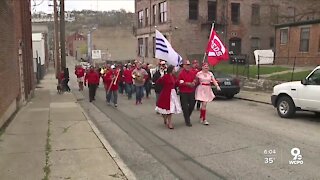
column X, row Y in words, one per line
column 16, row 69
column 75, row 42
column 243, row 25
column 299, row 42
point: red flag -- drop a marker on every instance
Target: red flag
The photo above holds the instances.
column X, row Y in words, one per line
column 216, row 51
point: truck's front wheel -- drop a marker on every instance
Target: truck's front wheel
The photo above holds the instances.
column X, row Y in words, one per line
column 285, row 107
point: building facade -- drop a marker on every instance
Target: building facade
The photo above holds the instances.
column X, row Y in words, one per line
column 298, row 43
column 76, row 42
column 243, row 25
column 16, row 69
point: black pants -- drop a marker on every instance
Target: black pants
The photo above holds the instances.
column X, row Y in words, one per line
column 92, row 91
column 187, row 104
column 66, row 86
column 198, row 104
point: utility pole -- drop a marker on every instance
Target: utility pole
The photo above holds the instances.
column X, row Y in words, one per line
column 62, row 35
column 56, row 38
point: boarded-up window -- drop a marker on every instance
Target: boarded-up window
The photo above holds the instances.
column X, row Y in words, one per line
column 255, row 43
column 274, row 14
column 235, row 13
column 193, row 9
column 212, row 10
column 255, row 14
column 271, row 43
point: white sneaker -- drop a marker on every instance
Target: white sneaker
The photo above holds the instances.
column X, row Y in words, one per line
column 205, row 122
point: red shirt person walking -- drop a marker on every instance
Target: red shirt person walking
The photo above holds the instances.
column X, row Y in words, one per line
column 187, row 82
column 79, row 72
column 128, row 80
column 92, row 78
column 111, row 84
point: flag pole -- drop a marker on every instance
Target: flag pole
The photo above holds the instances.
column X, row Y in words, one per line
column 205, row 54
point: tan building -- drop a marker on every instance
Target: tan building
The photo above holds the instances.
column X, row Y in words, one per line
column 244, row 25
column 116, row 43
column 299, row 42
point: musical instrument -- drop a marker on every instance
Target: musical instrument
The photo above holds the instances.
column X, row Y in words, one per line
column 114, row 81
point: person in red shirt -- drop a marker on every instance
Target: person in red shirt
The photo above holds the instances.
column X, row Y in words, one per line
column 79, row 72
column 111, row 85
column 187, row 83
column 92, row 78
column 127, row 78
column 195, row 68
column 168, row 102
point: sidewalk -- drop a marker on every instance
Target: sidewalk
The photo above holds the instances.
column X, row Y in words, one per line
column 51, row 138
column 261, row 97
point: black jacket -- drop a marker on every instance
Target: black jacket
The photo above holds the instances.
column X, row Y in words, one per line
column 156, row 76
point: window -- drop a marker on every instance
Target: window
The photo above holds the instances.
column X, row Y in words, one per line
column 283, row 36
column 140, row 17
column 255, row 14
column 154, row 14
column 163, row 12
column 314, row 79
column 255, row 43
column 212, row 10
column 140, row 47
column 304, row 39
column 147, row 17
column 274, row 14
column 291, row 14
column 193, row 9
column 235, row 13
column 271, row 43
column 146, row 47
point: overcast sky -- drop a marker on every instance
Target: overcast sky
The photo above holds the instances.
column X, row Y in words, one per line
column 95, row 5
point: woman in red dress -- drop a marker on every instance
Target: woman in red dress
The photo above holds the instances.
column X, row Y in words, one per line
column 168, row 102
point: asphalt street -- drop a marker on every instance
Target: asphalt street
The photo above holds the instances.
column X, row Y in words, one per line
column 245, row 140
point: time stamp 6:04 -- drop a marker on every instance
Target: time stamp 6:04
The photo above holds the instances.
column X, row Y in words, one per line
column 270, row 156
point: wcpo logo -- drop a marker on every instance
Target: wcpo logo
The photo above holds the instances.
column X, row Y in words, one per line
column 297, row 157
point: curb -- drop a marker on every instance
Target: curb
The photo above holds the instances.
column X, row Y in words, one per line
column 122, row 166
column 252, row 100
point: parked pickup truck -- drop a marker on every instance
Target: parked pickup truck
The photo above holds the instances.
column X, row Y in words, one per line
column 295, row 96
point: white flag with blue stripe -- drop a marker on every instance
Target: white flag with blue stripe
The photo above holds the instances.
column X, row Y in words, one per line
column 165, row 51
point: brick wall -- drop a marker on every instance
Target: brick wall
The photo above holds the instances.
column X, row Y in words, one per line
column 16, row 65
column 286, row 54
column 190, row 36
column 9, row 68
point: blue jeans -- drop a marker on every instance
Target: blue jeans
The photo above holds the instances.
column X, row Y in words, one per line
column 129, row 90
column 139, row 93
column 114, row 95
